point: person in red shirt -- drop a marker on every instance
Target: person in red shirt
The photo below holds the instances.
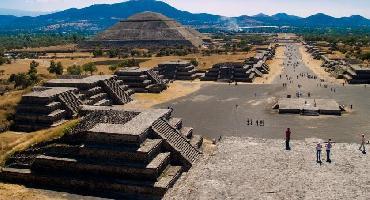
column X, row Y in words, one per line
column 287, row 139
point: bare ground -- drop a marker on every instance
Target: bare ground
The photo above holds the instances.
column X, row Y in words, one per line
column 176, row 90
column 248, row 168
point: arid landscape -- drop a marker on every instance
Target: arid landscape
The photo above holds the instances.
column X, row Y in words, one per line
column 161, row 103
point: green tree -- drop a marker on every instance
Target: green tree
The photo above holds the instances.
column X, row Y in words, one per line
column 97, row 52
column 113, row 68
column 89, row 67
column 74, row 70
column 55, row 68
column 194, row 62
column 32, row 72
column 112, row 53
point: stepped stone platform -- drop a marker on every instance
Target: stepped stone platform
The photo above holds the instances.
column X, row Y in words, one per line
column 356, row 74
column 312, row 107
column 142, row 80
column 46, row 107
column 111, row 153
column 177, row 70
column 230, row 72
column 98, row 90
column 60, row 99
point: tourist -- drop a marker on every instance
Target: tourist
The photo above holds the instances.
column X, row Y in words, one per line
column 362, row 147
column 328, row 148
column 257, row 122
column 287, row 139
column 248, row 121
column 318, row 153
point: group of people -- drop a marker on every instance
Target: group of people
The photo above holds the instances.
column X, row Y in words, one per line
column 258, row 122
column 319, row 146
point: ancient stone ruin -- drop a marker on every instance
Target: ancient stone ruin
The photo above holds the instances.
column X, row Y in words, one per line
column 310, row 107
column 355, row 74
column 241, row 72
column 111, row 153
column 142, row 80
column 147, row 30
column 46, row 107
column 177, row 70
column 60, row 99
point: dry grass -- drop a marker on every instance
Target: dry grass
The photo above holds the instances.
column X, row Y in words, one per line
column 205, row 62
column 11, row 142
column 8, row 104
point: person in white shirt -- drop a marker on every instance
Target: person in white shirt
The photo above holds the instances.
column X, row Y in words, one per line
column 318, row 152
column 362, row 147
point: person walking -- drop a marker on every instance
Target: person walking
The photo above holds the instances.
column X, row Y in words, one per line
column 287, row 139
column 362, row 147
column 328, row 149
column 318, row 153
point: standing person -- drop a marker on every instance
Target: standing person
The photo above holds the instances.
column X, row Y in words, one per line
column 328, row 148
column 362, row 147
column 287, row 139
column 318, row 153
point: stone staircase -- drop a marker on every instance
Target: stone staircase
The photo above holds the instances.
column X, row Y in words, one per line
column 155, row 77
column 176, row 140
column 71, row 103
column 119, row 95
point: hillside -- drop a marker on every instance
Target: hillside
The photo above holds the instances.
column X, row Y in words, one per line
column 99, row 17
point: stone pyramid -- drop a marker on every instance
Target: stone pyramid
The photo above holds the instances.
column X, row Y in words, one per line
column 147, row 30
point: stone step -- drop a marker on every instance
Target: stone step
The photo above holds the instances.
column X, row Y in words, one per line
column 125, row 153
column 97, row 186
column 91, row 167
column 187, row 132
column 176, row 141
column 175, row 122
column 42, row 109
column 98, row 97
column 114, row 134
column 103, row 102
column 196, row 141
column 45, row 119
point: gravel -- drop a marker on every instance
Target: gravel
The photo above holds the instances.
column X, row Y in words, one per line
column 249, row 168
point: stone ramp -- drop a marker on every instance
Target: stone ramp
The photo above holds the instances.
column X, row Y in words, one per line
column 176, row 141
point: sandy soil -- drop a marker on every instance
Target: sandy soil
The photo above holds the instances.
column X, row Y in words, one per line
column 176, row 90
column 205, row 62
column 275, row 67
column 247, row 168
column 315, row 66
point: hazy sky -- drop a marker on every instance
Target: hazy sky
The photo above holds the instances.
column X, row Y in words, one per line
column 336, row 8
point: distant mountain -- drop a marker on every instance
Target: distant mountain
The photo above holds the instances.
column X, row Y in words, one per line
column 98, row 17
column 20, row 13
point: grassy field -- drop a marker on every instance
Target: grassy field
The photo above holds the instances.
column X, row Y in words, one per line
column 11, row 142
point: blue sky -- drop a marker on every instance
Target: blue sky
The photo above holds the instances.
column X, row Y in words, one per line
column 336, row 8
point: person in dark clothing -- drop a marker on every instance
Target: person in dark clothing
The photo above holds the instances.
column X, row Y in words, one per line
column 287, row 139
column 328, row 148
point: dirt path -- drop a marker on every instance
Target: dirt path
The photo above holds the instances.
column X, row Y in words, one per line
column 315, row 66
column 176, row 90
column 248, row 168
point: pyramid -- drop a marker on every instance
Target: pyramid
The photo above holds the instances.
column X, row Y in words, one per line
column 147, row 30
